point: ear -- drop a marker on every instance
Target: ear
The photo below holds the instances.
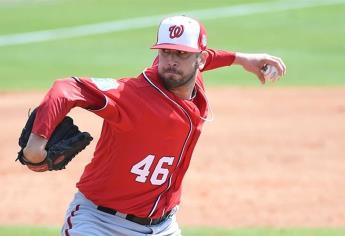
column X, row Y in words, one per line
column 202, row 59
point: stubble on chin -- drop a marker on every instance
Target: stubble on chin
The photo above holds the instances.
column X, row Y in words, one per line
column 170, row 81
column 176, row 78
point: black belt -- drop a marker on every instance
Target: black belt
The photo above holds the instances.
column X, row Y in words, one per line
column 133, row 218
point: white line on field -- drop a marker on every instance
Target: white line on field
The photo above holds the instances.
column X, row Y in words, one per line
column 142, row 22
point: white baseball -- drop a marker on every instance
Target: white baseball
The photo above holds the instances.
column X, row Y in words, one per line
column 270, row 72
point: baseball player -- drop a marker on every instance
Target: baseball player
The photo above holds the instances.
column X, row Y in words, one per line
column 132, row 186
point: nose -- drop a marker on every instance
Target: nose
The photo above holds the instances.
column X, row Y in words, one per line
column 172, row 59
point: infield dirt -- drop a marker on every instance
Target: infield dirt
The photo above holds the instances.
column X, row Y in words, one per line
column 271, row 157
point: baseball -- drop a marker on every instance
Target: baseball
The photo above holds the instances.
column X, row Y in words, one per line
column 270, row 72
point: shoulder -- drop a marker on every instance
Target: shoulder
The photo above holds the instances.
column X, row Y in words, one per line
column 138, row 82
column 104, row 84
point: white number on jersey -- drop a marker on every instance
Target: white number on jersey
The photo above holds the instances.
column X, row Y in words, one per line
column 160, row 174
column 160, row 171
column 142, row 168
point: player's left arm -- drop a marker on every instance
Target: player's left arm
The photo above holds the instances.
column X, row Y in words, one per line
column 253, row 63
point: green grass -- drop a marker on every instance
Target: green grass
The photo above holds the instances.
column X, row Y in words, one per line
column 36, row 231
column 262, row 232
column 28, row 231
column 310, row 40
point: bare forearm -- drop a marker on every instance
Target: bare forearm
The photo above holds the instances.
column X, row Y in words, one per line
column 255, row 63
column 239, row 58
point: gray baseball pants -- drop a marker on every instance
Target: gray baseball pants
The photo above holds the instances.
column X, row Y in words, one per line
column 83, row 219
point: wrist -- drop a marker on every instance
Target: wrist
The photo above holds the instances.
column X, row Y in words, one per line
column 239, row 58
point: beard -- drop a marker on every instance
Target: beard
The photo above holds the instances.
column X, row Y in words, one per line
column 175, row 78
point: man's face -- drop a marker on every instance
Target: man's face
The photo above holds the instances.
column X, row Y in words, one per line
column 177, row 68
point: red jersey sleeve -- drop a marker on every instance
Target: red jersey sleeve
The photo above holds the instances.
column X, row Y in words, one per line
column 218, row 58
column 62, row 97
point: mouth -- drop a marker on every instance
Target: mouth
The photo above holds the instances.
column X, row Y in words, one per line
column 171, row 71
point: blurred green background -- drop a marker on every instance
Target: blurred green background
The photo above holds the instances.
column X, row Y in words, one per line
column 310, row 40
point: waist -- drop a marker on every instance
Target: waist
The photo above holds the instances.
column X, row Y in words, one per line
column 139, row 203
column 135, row 219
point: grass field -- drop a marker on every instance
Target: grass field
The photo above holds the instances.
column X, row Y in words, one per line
column 310, row 40
column 29, row 231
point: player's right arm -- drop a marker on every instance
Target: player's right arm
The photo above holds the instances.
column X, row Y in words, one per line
column 59, row 100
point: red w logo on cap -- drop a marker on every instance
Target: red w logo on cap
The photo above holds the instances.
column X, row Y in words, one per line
column 176, row 31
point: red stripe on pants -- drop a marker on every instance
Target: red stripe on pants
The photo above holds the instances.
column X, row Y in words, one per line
column 69, row 222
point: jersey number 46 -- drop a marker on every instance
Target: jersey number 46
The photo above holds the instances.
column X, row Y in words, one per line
column 159, row 175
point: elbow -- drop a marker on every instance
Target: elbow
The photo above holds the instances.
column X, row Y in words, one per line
column 62, row 86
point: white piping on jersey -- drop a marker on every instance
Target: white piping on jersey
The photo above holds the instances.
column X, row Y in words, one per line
column 76, row 78
column 103, row 107
column 208, row 105
column 106, row 98
column 193, row 95
column 184, row 144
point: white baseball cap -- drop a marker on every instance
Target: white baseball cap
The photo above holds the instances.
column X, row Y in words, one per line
column 181, row 33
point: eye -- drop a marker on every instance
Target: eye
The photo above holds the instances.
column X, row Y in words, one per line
column 183, row 54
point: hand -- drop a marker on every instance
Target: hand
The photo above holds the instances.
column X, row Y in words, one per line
column 255, row 62
column 35, row 150
column 40, row 154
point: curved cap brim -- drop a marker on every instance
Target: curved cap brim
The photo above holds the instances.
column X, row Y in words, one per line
column 175, row 47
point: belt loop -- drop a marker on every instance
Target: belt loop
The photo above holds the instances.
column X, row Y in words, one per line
column 122, row 215
column 150, row 221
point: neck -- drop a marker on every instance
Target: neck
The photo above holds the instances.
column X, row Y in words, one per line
column 185, row 91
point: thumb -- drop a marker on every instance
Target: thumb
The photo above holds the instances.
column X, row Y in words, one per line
column 40, row 168
column 262, row 79
column 260, row 76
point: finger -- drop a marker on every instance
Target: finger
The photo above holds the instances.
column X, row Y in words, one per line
column 59, row 159
column 280, row 61
column 277, row 65
column 260, row 76
column 276, row 62
column 38, row 168
column 262, row 79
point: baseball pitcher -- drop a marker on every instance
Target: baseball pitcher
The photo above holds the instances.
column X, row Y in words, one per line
column 152, row 122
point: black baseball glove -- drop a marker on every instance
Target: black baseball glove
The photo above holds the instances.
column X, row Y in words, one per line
column 64, row 144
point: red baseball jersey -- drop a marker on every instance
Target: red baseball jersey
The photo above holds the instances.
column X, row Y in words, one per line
column 147, row 138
